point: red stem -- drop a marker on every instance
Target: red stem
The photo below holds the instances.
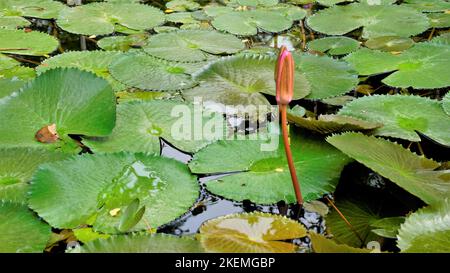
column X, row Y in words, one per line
column 287, row 148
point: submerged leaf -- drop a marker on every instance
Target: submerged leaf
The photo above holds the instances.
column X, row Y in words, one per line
column 67, row 198
column 21, row 230
column 250, row 232
column 411, row 172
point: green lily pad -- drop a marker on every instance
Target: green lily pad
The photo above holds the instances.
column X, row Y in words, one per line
column 401, row 116
column 67, row 198
column 443, row 39
column 140, row 125
column 446, row 103
column 12, row 75
column 427, row 5
column 326, row 124
column 413, row 173
column 20, row 230
column 415, row 67
column 32, row 43
column 247, row 23
column 9, row 86
column 359, row 216
column 387, row 227
column 389, row 43
column 13, row 22
column 376, row 20
column 320, row 244
column 16, row 168
column 266, row 178
column 439, row 20
column 123, row 43
column 148, row 73
column 253, row 3
column 427, row 230
column 369, row 2
column 326, row 76
column 338, row 45
column 192, row 45
column 86, row 235
column 141, row 243
column 250, row 233
column 182, row 5
column 240, row 80
column 44, row 9
column 96, row 62
column 102, row 18
column 76, row 102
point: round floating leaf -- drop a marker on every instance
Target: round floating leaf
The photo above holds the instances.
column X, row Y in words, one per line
column 427, row 5
column 401, row 116
column 105, row 18
column 439, row 20
column 192, row 45
column 44, row 9
column 266, row 178
column 411, row 172
column 77, row 102
column 16, row 168
column 13, row 22
column 369, row 2
column 427, row 230
column 96, row 62
column 376, row 20
column 148, row 73
column 254, row 3
column 20, row 230
column 359, row 216
column 67, row 198
column 181, row 17
column 26, row 43
column 327, row 77
column 326, row 124
column 389, row 43
column 156, row 243
column 182, row 5
column 239, row 80
column 250, row 233
column 123, row 43
column 141, row 124
column 320, row 244
column 446, row 103
column 416, row 67
column 338, row 45
column 248, row 23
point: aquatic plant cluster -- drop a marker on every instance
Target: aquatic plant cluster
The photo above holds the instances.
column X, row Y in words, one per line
column 91, row 92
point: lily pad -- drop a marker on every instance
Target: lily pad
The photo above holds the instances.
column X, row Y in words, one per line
column 446, row 103
column 321, row 244
column 16, row 168
column 123, row 43
column 148, row 73
column 439, row 20
column 443, row 39
column 401, row 116
column 427, row 230
column 13, row 22
column 361, row 219
column 96, row 62
column 103, row 18
column 74, row 101
column 44, row 9
column 32, row 43
column 20, row 230
column 13, row 76
column 416, row 67
column 389, row 43
column 326, row 124
column 338, row 45
column 141, row 243
column 140, row 125
column 376, row 20
column 265, row 176
column 250, row 233
column 326, row 76
column 387, row 227
column 67, row 198
column 192, row 45
column 369, row 2
column 416, row 174
column 182, row 5
column 428, row 5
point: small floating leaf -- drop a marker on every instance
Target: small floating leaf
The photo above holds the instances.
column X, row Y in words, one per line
column 427, row 5
column 123, row 43
column 250, row 233
column 389, row 43
column 44, row 9
column 86, row 235
column 320, row 244
column 414, row 173
column 338, row 45
column 21, row 230
column 32, row 43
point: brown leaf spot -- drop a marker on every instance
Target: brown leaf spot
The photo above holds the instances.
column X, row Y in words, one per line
column 47, row 134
